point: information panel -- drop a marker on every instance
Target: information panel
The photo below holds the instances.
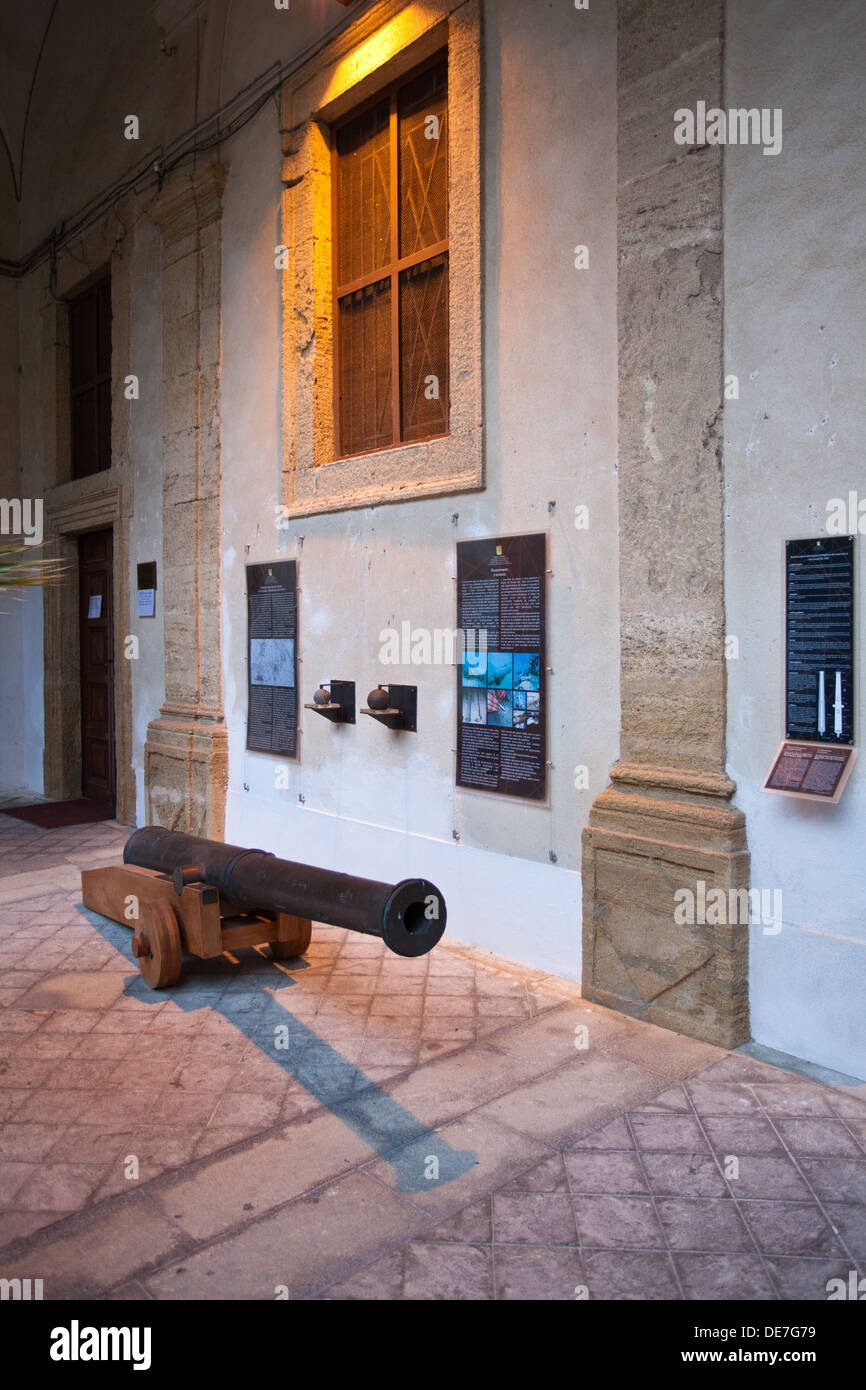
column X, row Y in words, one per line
column 272, row 610
column 810, row 770
column 820, row 639
column 502, row 709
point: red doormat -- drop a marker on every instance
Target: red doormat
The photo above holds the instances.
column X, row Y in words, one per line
column 50, row 815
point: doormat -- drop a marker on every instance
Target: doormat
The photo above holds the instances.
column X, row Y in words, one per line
column 50, row 815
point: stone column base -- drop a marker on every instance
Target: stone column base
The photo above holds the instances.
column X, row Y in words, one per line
column 186, row 774
column 654, row 832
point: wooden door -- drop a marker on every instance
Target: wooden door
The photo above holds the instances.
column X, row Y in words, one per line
column 97, row 665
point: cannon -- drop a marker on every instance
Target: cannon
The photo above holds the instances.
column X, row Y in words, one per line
column 181, row 893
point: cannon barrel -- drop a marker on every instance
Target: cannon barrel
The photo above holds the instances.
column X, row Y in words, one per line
column 409, row 916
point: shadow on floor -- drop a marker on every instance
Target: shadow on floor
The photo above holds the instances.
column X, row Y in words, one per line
column 255, row 998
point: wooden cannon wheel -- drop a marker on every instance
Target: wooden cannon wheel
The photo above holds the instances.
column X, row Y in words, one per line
column 296, row 942
column 157, row 944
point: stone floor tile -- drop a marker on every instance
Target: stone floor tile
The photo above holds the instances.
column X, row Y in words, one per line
column 674, row 1100
column 629, row 1275
column 550, row 1274
column 13, row 1175
column 714, row 1278
column 132, row 1292
column 216, row 1194
column 381, row 1280
column 547, row 1176
column 309, row 1244
column 807, row 1280
column 474, row 1225
column 721, row 1097
column 790, row 1228
column 90, row 1144
column 94, row 1250
column 533, row 1218
column 60, row 1186
column 448, row 1272
column 850, row 1221
column 848, row 1106
column 27, row 1142
column 18, row 1225
column 577, row 1099
column 613, row 1221
column 763, row 1175
column 738, row 1135
column 670, row 1133
column 790, row 1099
column 684, row 1174
column 819, row 1138
column 596, row 1171
column 616, row 1135
column 703, row 1224
column 476, row 1156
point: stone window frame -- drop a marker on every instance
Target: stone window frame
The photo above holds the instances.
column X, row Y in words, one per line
column 387, row 42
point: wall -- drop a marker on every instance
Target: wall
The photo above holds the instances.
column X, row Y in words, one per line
column 796, row 338
column 387, row 807
column 20, row 615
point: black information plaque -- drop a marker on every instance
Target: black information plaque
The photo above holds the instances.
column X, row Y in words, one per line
column 501, row 695
column 272, row 621
column 819, row 669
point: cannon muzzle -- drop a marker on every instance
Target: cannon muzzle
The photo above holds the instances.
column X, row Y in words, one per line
column 409, row 916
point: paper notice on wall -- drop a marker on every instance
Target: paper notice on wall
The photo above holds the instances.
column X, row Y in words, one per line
column 94, row 607
column 146, row 602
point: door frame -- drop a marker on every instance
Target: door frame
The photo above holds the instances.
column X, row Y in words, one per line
column 65, row 521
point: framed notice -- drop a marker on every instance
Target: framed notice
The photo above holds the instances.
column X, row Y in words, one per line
column 810, row 771
column 272, row 624
column 501, row 680
column 819, row 666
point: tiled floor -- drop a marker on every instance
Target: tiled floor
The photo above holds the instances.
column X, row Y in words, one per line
column 360, row 1126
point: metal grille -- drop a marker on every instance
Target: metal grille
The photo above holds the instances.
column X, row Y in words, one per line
column 424, row 349
column 366, row 369
column 364, row 195
column 422, row 118
column 391, row 266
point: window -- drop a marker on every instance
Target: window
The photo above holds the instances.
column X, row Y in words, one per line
column 390, row 184
column 90, row 379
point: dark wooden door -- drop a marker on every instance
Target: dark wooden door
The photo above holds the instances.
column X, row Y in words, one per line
column 97, row 665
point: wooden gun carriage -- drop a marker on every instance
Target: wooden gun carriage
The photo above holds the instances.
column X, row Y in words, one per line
column 181, row 893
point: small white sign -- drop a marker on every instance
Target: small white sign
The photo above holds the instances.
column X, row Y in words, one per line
column 94, row 608
column 146, row 600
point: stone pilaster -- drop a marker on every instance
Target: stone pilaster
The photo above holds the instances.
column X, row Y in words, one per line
column 666, row 824
column 186, row 757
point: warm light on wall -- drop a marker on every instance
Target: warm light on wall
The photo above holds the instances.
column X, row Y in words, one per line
column 388, row 41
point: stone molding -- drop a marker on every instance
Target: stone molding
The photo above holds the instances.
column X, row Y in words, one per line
column 190, row 201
